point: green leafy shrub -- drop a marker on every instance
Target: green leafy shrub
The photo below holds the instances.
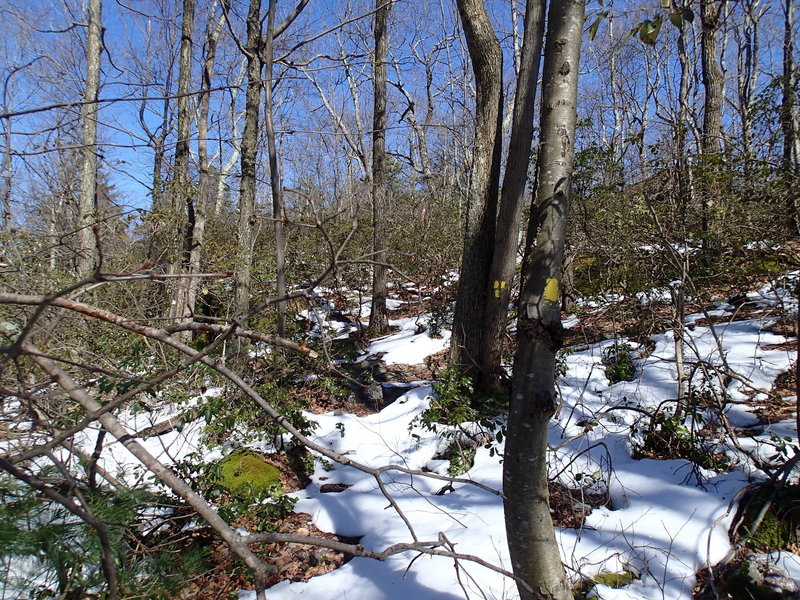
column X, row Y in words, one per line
column 454, row 406
column 60, row 554
column 618, row 362
column 667, row 436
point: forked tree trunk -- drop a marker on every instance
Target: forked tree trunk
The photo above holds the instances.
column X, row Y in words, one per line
column 87, row 245
column 535, row 556
column 203, row 197
column 512, row 195
column 479, row 233
column 379, row 318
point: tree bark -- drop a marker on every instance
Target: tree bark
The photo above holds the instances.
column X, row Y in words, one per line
column 511, row 196
column 249, row 153
column 791, row 143
column 713, row 84
column 274, row 173
column 87, row 244
column 203, row 197
column 479, row 230
column 7, row 179
column 534, row 552
column 379, row 318
column 184, row 202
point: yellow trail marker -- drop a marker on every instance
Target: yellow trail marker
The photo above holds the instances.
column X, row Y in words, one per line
column 551, row 289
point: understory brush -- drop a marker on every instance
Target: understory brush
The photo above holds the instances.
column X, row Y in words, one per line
column 668, row 434
column 49, row 552
column 464, row 418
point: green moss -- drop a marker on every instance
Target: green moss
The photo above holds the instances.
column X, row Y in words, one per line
column 778, row 528
column 245, row 472
column 764, row 266
column 612, row 580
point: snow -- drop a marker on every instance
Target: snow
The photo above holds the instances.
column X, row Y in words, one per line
column 411, row 345
column 666, row 519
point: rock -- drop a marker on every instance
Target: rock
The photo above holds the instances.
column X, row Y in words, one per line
column 759, row 578
column 329, row 488
column 246, row 473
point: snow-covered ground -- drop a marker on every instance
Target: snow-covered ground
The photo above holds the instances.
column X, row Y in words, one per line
column 665, row 519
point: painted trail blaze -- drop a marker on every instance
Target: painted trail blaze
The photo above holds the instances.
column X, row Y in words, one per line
column 551, row 289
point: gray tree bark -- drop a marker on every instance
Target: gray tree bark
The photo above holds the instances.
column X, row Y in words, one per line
column 479, row 230
column 87, row 207
column 249, row 154
column 7, row 178
column 379, row 318
column 789, row 120
column 274, row 172
column 184, row 200
column 713, row 84
column 534, row 552
column 511, row 196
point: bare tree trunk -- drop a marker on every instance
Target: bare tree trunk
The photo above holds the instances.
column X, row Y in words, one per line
column 512, row 195
column 87, row 244
column 184, row 203
column 534, row 552
column 789, row 124
column 747, row 70
column 203, row 198
column 7, row 179
column 275, row 174
column 379, row 318
column 249, row 153
column 479, row 230
column 713, row 83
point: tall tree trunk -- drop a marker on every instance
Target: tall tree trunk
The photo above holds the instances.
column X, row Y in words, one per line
column 747, row 77
column 379, row 318
column 7, row 178
column 249, row 154
column 87, row 245
column 789, row 124
column 274, row 173
column 203, row 198
column 713, row 84
column 479, row 230
column 512, row 194
column 534, row 552
column 184, row 201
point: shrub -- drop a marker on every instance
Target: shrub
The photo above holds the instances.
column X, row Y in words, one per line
column 618, row 361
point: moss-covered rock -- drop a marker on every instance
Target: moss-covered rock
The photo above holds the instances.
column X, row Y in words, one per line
column 779, row 526
column 246, row 473
column 612, row 580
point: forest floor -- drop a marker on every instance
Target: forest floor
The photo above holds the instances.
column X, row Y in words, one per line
column 634, row 489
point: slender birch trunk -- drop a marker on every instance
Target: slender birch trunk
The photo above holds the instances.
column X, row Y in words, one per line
column 535, row 556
